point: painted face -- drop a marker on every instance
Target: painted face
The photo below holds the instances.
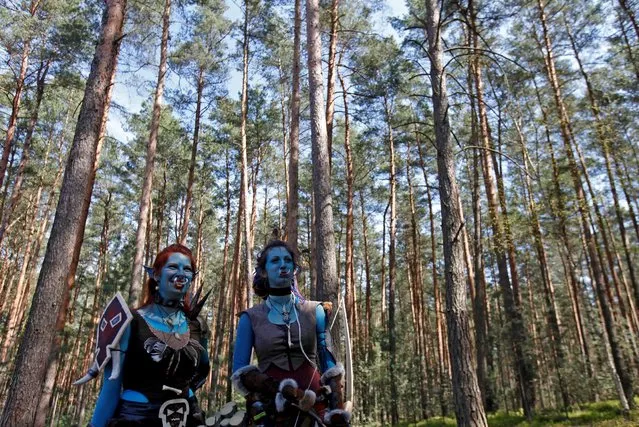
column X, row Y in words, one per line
column 175, row 277
column 279, row 267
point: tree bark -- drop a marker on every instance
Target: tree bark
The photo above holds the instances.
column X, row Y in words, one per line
column 292, row 207
column 504, row 252
column 552, row 313
column 442, row 365
column 469, row 410
column 17, row 97
column 598, row 275
column 415, row 270
column 17, row 185
column 631, row 15
column 605, row 147
column 136, row 291
column 392, row 269
column 332, row 71
column 196, row 137
column 52, row 291
column 480, row 300
column 224, row 289
column 349, row 277
column 327, row 284
column 246, row 218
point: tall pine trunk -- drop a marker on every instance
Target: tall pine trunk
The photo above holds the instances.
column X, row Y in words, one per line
column 191, row 179
column 504, row 253
column 327, row 284
column 246, row 214
column 349, row 276
column 469, row 409
column 292, row 206
column 332, row 71
column 136, row 291
column 597, row 271
column 52, row 291
column 392, row 270
column 605, row 148
column 17, row 98
column 17, row 185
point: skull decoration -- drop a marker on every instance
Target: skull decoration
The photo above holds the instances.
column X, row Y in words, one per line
column 174, row 412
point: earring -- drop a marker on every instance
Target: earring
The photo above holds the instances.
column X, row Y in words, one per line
column 157, row 287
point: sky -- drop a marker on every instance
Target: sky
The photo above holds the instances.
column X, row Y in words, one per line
column 131, row 99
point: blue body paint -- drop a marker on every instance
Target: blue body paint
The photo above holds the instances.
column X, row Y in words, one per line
column 174, row 280
column 246, row 338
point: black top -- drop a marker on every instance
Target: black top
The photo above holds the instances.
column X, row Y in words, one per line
column 175, row 368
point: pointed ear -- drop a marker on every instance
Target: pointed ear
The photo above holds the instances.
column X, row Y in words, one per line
column 149, row 271
column 195, row 273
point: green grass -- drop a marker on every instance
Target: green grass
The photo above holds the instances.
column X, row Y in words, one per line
column 602, row 414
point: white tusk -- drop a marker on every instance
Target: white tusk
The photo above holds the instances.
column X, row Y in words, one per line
column 175, row 390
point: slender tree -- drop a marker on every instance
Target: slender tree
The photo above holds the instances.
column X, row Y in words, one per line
column 469, row 409
column 327, row 284
column 52, row 291
column 292, row 206
column 135, row 291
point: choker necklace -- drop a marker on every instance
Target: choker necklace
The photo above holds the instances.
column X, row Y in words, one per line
column 280, row 292
column 168, row 303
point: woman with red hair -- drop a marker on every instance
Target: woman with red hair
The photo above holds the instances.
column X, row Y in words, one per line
column 158, row 355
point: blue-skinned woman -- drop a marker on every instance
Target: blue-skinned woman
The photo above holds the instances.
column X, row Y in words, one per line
column 154, row 357
column 296, row 376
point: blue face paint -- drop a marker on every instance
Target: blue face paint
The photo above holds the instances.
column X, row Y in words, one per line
column 279, row 267
column 175, row 277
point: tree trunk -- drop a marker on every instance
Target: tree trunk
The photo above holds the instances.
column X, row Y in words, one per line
column 415, row 270
column 503, row 250
column 52, row 291
column 292, row 207
column 17, row 185
column 196, row 137
column 327, row 284
column 598, row 275
column 631, row 16
column 332, row 71
column 224, row 289
column 136, row 291
column 437, row 297
column 351, row 304
column 605, row 147
column 552, row 312
column 469, row 410
column 627, row 45
column 479, row 302
column 248, row 247
column 392, row 267
column 17, row 97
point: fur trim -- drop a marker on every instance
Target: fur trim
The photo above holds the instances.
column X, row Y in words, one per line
column 280, row 402
column 237, row 378
column 287, row 382
column 345, row 415
column 332, row 373
column 307, row 402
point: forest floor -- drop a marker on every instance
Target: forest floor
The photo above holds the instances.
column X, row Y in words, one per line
column 601, row 414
